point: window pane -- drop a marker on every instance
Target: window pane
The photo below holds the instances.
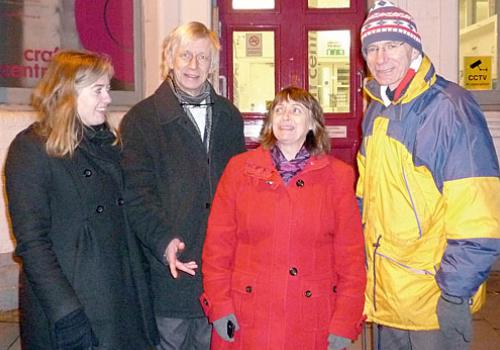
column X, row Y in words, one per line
column 36, row 30
column 252, row 4
column 329, row 69
column 253, row 70
column 33, row 31
column 329, row 3
column 478, row 44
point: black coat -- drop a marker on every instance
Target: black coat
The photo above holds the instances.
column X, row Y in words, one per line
column 170, row 181
column 76, row 248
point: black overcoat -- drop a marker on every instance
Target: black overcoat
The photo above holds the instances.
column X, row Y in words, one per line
column 170, row 180
column 76, row 248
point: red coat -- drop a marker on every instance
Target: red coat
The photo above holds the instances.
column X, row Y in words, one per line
column 288, row 261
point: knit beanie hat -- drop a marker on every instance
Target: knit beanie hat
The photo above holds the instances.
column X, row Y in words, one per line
column 385, row 21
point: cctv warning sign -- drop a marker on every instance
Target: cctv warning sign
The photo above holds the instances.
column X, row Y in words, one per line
column 477, row 73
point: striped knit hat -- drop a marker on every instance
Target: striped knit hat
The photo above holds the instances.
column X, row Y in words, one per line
column 386, row 21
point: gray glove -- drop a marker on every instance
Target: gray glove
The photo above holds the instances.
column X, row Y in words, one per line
column 454, row 317
column 337, row 343
column 226, row 327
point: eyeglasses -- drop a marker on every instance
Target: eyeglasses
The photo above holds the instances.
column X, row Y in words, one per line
column 388, row 48
column 201, row 58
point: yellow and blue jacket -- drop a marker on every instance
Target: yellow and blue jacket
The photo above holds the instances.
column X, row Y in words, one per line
column 429, row 190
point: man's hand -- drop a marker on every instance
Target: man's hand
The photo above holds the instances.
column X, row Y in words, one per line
column 173, row 248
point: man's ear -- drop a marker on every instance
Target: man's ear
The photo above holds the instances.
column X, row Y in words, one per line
column 414, row 53
column 169, row 61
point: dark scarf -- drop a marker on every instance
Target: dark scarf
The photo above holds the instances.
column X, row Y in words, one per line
column 289, row 168
column 98, row 134
column 186, row 101
column 98, row 141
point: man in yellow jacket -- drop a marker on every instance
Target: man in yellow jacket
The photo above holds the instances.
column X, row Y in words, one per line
column 429, row 190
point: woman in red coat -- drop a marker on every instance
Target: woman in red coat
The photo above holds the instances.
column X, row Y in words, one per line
column 283, row 261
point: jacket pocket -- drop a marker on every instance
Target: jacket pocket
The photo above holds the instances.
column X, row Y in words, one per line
column 317, row 301
column 244, row 289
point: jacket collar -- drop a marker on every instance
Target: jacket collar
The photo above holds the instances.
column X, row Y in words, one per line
column 424, row 78
column 260, row 166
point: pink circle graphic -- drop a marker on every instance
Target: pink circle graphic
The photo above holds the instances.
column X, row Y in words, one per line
column 107, row 26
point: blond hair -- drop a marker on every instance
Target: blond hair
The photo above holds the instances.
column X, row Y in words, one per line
column 317, row 141
column 55, row 98
column 189, row 32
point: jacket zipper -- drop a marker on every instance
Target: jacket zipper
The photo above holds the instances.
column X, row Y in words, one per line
column 376, row 246
column 412, row 204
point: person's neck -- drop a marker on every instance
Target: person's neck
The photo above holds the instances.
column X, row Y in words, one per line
column 97, row 127
column 289, row 151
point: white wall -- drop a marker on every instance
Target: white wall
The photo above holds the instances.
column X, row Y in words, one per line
column 437, row 24
column 493, row 119
column 12, row 120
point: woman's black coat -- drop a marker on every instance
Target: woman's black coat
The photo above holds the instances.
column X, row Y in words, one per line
column 76, row 249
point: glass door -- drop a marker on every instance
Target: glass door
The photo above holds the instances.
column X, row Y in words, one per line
column 313, row 44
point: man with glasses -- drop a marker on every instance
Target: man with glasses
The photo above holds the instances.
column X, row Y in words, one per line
column 429, row 190
column 176, row 144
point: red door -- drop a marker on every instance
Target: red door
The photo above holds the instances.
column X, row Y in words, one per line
column 293, row 42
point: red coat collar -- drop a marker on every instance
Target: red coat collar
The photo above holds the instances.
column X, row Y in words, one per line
column 260, row 165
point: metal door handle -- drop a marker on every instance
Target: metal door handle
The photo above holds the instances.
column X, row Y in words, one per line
column 223, row 85
column 361, row 77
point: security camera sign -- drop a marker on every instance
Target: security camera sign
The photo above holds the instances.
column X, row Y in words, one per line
column 477, row 73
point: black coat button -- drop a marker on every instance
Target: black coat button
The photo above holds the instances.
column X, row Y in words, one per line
column 87, row 173
column 308, row 293
column 207, row 205
column 248, row 289
column 205, row 301
column 120, row 201
column 293, row 271
column 335, row 289
column 300, row 183
column 99, row 209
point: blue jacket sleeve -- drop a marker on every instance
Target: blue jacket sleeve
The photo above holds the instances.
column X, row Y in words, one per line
column 471, row 187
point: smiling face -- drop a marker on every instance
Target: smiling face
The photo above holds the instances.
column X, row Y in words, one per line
column 190, row 64
column 388, row 62
column 93, row 101
column 291, row 121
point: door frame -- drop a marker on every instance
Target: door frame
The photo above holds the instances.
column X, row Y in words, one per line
column 292, row 59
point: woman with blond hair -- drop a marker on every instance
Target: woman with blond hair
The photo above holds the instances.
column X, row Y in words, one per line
column 283, row 261
column 83, row 283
